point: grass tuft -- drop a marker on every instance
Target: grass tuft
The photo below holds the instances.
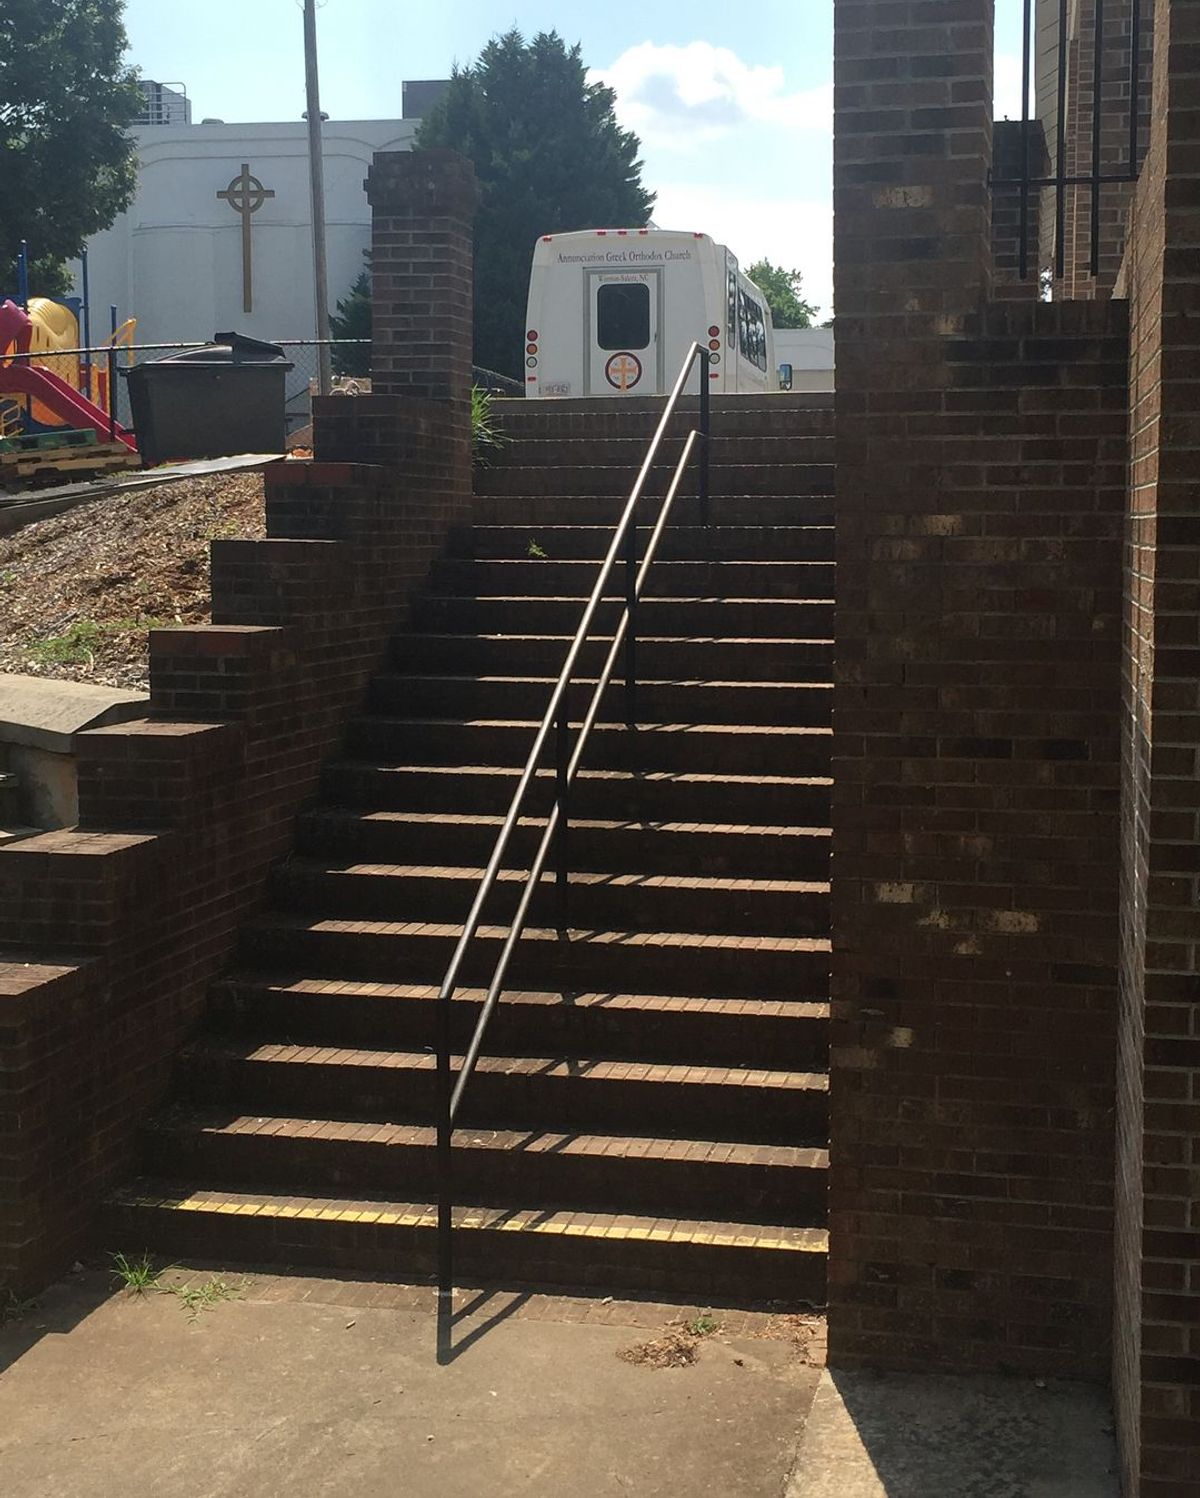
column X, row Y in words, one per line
column 136, row 1275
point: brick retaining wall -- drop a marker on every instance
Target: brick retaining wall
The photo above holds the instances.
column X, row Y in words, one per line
column 110, row 933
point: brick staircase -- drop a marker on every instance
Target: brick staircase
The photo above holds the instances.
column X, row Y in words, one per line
column 650, row 1111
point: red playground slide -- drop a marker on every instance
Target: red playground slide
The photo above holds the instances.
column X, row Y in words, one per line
column 62, row 399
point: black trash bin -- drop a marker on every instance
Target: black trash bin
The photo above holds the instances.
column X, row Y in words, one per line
column 213, row 402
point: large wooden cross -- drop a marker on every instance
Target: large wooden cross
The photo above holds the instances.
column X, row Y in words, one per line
column 246, row 195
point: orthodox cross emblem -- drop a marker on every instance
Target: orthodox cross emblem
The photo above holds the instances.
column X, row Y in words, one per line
column 623, row 371
column 246, row 195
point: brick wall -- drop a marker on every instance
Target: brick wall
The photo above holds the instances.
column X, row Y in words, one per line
column 1157, row 1362
column 975, row 878
column 110, row 933
column 980, row 487
column 1016, row 1062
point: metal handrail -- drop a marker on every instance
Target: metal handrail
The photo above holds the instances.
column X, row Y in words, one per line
column 556, row 719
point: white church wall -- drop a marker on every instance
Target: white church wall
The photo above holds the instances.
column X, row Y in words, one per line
column 174, row 260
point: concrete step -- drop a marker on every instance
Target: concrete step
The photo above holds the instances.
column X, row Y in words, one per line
column 628, row 453
column 702, row 1260
column 608, row 901
column 704, row 849
column 749, row 543
column 683, row 1029
column 689, row 1178
column 705, row 617
column 669, row 962
column 468, row 578
column 757, row 800
column 737, row 749
column 663, row 659
column 568, row 1094
column 505, row 477
column 781, row 413
column 809, row 504
column 799, row 703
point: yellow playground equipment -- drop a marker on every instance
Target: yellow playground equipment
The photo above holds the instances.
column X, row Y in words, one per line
column 55, row 328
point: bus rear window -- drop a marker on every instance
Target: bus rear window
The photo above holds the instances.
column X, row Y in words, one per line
column 623, row 315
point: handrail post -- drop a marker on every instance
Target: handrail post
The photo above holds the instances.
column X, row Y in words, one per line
column 561, row 788
column 631, row 601
column 705, row 436
column 445, row 1129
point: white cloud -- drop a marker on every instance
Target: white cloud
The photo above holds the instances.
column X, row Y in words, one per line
column 681, row 97
column 792, row 232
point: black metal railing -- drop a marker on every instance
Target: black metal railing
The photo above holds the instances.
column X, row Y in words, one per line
column 1096, row 178
column 556, row 721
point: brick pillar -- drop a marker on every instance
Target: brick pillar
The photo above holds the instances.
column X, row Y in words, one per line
column 912, row 257
column 422, row 205
column 980, row 453
column 1009, row 148
column 422, row 264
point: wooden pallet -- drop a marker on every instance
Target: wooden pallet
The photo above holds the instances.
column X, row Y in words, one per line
column 36, row 442
column 71, row 462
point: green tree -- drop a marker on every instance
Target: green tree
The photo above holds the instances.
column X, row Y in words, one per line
column 782, row 291
column 550, row 157
column 67, row 166
column 353, row 320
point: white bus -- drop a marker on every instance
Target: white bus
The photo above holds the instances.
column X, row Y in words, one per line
column 611, row 312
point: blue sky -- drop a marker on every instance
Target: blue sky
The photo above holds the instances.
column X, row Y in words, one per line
column 733, row 103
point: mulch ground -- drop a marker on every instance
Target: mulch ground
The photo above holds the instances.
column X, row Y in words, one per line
column 80, row 591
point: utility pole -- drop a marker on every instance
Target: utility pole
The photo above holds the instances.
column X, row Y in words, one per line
column 316, row 172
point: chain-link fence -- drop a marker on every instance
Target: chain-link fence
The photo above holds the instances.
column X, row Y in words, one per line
column 96, row 373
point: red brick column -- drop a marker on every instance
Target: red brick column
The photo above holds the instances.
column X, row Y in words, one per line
column 422, row 205
column 981, row 452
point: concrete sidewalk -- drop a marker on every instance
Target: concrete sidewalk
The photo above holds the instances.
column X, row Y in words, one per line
column 935, row 1436
column 305, row 1388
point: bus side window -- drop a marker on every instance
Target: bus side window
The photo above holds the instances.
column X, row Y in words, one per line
column 623, row 315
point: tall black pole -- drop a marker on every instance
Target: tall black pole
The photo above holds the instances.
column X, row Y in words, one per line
column 316, row 172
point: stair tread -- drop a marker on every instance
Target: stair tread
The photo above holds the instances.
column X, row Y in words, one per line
column 481, row 819
column 590, row 681
column 677, row 1004
column 400, row 767
column 473, row 875
column 803, row 730
column 673, row 601
column 579, row 938
column 599, row 637
column 578, row 1069
column 164, row 1196
column 528, row 1141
